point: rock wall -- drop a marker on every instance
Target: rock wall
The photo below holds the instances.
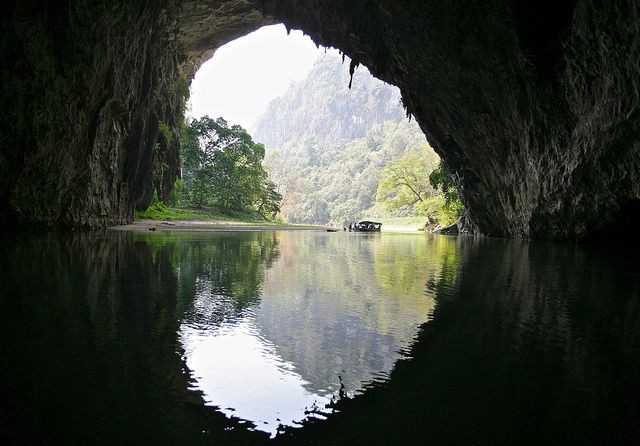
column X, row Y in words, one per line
column 534, row 105
column 85, row 85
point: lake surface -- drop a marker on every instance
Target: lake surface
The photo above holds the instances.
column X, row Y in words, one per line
column 317, row 338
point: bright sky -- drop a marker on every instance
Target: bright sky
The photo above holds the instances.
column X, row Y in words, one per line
column 242, row 77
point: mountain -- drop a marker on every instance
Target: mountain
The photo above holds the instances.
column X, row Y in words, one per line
column 324, row 110
column 327, row 145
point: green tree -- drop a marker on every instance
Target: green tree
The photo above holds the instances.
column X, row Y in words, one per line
column 197, row 163
column 420, row 184
column 268, row 200
column 404, row 184
column 222, row 167
column 452, row 207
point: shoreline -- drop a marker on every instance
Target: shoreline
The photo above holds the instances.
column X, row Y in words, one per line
column 208, row 226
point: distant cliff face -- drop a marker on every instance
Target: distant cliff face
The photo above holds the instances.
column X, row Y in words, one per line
column 323, row 109
column 328, row 144
column 532, row 104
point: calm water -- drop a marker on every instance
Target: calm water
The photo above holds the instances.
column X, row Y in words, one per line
column 316, row 338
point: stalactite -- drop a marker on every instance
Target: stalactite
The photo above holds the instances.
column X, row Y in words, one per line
column 352, row 68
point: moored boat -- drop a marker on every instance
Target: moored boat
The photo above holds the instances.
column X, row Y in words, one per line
column 367, row 226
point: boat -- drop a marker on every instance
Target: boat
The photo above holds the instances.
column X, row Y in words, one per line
column 367, row 226
column 332, row 230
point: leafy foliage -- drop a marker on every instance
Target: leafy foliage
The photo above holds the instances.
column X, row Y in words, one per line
column 328, row 144
column 338, row 183
column 403, row 183
column 222, row 167
column 452, row 207
column 404, row 188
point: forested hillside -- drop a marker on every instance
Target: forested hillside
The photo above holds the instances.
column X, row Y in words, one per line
column 322, row 110
column 328, row 145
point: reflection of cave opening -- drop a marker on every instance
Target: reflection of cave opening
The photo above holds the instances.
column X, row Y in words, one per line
column 269, row 340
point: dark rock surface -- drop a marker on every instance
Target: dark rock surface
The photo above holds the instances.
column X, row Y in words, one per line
column 85, row 85
column 448, row 230
column 534, row 105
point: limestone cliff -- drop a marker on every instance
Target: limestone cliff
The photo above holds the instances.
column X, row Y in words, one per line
column 534, row 105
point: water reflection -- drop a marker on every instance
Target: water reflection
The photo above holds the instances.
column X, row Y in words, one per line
column 530, row 343
column 121, row 339
column 89, row 352
column 323, row 317
column 242, row 374
column 220, row 274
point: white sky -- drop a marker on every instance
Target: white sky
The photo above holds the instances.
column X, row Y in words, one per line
column 242, row 77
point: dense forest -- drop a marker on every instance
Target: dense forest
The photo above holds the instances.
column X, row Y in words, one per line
column 331, row 150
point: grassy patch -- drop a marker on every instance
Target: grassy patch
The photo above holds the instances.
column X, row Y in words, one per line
column 160, row 211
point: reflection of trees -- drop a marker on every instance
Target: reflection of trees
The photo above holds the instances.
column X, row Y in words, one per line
column 221, row 274
column 332, row 305
column 397, row 267
column 89, row 351
column 530, row 343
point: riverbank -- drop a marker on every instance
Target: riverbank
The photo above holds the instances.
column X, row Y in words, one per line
column 144, row 225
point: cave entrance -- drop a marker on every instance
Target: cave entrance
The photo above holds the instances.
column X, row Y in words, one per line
column 338, row 145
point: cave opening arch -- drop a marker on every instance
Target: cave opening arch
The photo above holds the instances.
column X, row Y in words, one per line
column 312, row 114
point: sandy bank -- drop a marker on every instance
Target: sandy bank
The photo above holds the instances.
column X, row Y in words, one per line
column 208, row 226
